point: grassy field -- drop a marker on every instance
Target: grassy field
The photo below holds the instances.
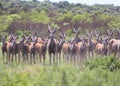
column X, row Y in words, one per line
column 100, row 71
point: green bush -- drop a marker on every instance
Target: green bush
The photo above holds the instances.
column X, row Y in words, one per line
column 109, row 62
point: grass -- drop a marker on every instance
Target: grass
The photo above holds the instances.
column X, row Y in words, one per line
column 100, row 71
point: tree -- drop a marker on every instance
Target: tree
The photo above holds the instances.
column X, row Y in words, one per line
column 35, row 0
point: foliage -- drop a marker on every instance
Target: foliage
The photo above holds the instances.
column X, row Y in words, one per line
column 6, row 20
column 39, row 17
column 109, row 63
column 60, row 74
column 115, row 23
column 65, row 15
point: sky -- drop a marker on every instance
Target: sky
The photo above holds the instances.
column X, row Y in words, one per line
column 91, row 2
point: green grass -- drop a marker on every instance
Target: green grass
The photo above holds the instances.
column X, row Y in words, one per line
column 100, row 71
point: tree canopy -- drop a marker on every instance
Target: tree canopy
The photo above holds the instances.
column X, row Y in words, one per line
column 19, row 14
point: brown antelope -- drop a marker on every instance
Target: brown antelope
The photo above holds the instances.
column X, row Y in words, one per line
column 11, row 48
column 51, row 44
column 82, row 49
column 65, row 50
column 114, row 46
column 73, row 48
column 5, row 45
column 41, row 49
column 102, row 48
column 15, row 48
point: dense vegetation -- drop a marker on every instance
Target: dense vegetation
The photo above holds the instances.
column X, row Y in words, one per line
column 17, row 15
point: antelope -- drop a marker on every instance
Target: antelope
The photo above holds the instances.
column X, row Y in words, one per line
column 65, row 50
column 51, row 44
column 41, row 49
column 18, row 48
column 14, row 49
column 73, row 51
column 4, row 44
column 90, row 44
column 82, row 49
column 32, row 49
column 77, row 38
column 59, row 45
column 114, row 46
column 25, row 47
column 73, row 48
column 118, row 32
column 11, row 48
column 102, row 48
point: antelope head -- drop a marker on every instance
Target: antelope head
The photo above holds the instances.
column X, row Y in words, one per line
column 76, row 31
column 51, row 32
column 110, row 33
column 62, row 36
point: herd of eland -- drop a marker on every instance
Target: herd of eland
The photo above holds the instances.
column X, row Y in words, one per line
column 77, row 49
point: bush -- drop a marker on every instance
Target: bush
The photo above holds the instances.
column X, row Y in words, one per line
column 109, row 62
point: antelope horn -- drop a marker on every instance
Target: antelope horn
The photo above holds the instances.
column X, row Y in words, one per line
column 54, row 30
column 87, row 33
column 16, row 37
column 64, row 34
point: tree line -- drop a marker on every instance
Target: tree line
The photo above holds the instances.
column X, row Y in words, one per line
column 20, row 15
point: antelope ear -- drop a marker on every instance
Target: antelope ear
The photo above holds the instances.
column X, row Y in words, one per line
column 54, row 30
column 87, row 33
column 78, row 31
column 42, row 38
column 16, row 37
column 29, row 37
column 60, row 35
column 91, row 33
column 74, row 30
column 64, row 35
column 25, row 36
column 32, row 38
column 112, row 32
column 101, row 39
column 49, row 29
column 108, row 31
column 99, row 32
